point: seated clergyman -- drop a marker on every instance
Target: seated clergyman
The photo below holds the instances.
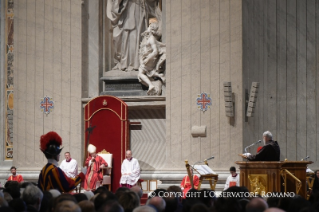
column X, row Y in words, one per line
column 269, row 152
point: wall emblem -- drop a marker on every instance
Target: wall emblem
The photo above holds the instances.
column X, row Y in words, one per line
column 46, row 105
column 203, row 101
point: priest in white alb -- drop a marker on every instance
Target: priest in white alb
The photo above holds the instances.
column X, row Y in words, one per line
column 130, row 171
column 69, row 166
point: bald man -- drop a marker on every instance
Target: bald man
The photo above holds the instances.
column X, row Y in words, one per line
column 274, row 210
column 158, row 202
column 257, row 205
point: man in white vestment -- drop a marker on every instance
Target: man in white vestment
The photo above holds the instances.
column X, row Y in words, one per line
column 232, row 179
column 69, row 166
column 130, row 171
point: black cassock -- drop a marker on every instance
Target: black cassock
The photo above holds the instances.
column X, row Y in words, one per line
column 269, row 152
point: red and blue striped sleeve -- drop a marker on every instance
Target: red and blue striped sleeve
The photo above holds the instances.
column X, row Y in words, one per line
column 63, row 182
column 53, row 177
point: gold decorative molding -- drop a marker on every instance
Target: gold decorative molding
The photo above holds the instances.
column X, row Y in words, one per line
column 310, row 180
column 104, row 152
column 212, row 179
column 9, row 71
column 104, row 109
column 189, row 173
column 258, row 183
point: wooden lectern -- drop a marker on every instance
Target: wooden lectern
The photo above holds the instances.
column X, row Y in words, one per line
column 274, row 176
column 212, row 178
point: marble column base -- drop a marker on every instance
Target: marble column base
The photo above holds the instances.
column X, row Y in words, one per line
column 166, row 178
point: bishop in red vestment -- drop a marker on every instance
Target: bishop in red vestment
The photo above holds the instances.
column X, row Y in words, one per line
column 186, row 184
column 95, row 163
column 15, row 176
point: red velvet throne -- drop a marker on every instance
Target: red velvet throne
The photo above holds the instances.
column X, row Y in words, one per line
column 108, row 117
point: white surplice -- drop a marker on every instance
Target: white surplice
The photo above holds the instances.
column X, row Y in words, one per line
column 232, row 181
column 132, row 167
column 69, row 168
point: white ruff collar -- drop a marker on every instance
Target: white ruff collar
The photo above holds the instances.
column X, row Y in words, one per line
column 53, row 161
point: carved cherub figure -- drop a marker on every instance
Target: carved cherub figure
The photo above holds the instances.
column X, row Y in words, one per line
column 152, row 55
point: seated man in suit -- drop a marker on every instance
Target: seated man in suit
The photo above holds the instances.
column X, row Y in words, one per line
column 315, row 187
column 269, row 152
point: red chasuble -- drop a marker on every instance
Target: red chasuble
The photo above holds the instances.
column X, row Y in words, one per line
column 94, row 173
column 15, row 178
column 186, row 183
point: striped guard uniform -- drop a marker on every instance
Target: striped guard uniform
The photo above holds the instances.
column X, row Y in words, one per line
column 52, row 177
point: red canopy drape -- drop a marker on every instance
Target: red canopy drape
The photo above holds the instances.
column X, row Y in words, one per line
column 109, row 117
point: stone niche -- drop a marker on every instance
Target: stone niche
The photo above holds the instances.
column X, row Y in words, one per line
column 135, row 56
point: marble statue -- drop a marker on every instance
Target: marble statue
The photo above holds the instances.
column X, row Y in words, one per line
column 152, row 56
column 129, row 18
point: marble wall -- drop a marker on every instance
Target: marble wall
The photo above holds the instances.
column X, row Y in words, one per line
column 281, row 51
column 92, row 47
column 47, row 63
column 148, row 138
column 204, row 49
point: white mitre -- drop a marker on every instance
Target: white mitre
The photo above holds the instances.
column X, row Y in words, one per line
column 91, row 149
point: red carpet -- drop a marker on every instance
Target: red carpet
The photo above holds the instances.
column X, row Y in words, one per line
column 144, row 199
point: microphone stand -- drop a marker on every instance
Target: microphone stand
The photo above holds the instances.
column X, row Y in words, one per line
column 204, row 161
column 251, row 145
column 246, row 150
column 193, row 167
column 305, row 159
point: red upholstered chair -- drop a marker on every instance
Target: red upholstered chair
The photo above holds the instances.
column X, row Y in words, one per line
column 107, row 171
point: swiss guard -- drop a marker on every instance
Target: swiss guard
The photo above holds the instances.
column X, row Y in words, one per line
column 51, row 176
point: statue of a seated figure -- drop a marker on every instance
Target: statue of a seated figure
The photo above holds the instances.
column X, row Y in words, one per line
column 152, row 56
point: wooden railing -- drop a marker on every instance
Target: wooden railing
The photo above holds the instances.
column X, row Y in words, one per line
column 284, row 173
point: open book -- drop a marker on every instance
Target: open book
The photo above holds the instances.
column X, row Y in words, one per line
column 203, row 170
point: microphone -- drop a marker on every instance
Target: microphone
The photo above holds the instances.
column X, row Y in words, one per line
column 305, row 158
column 212, row 157
column 251, row 145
